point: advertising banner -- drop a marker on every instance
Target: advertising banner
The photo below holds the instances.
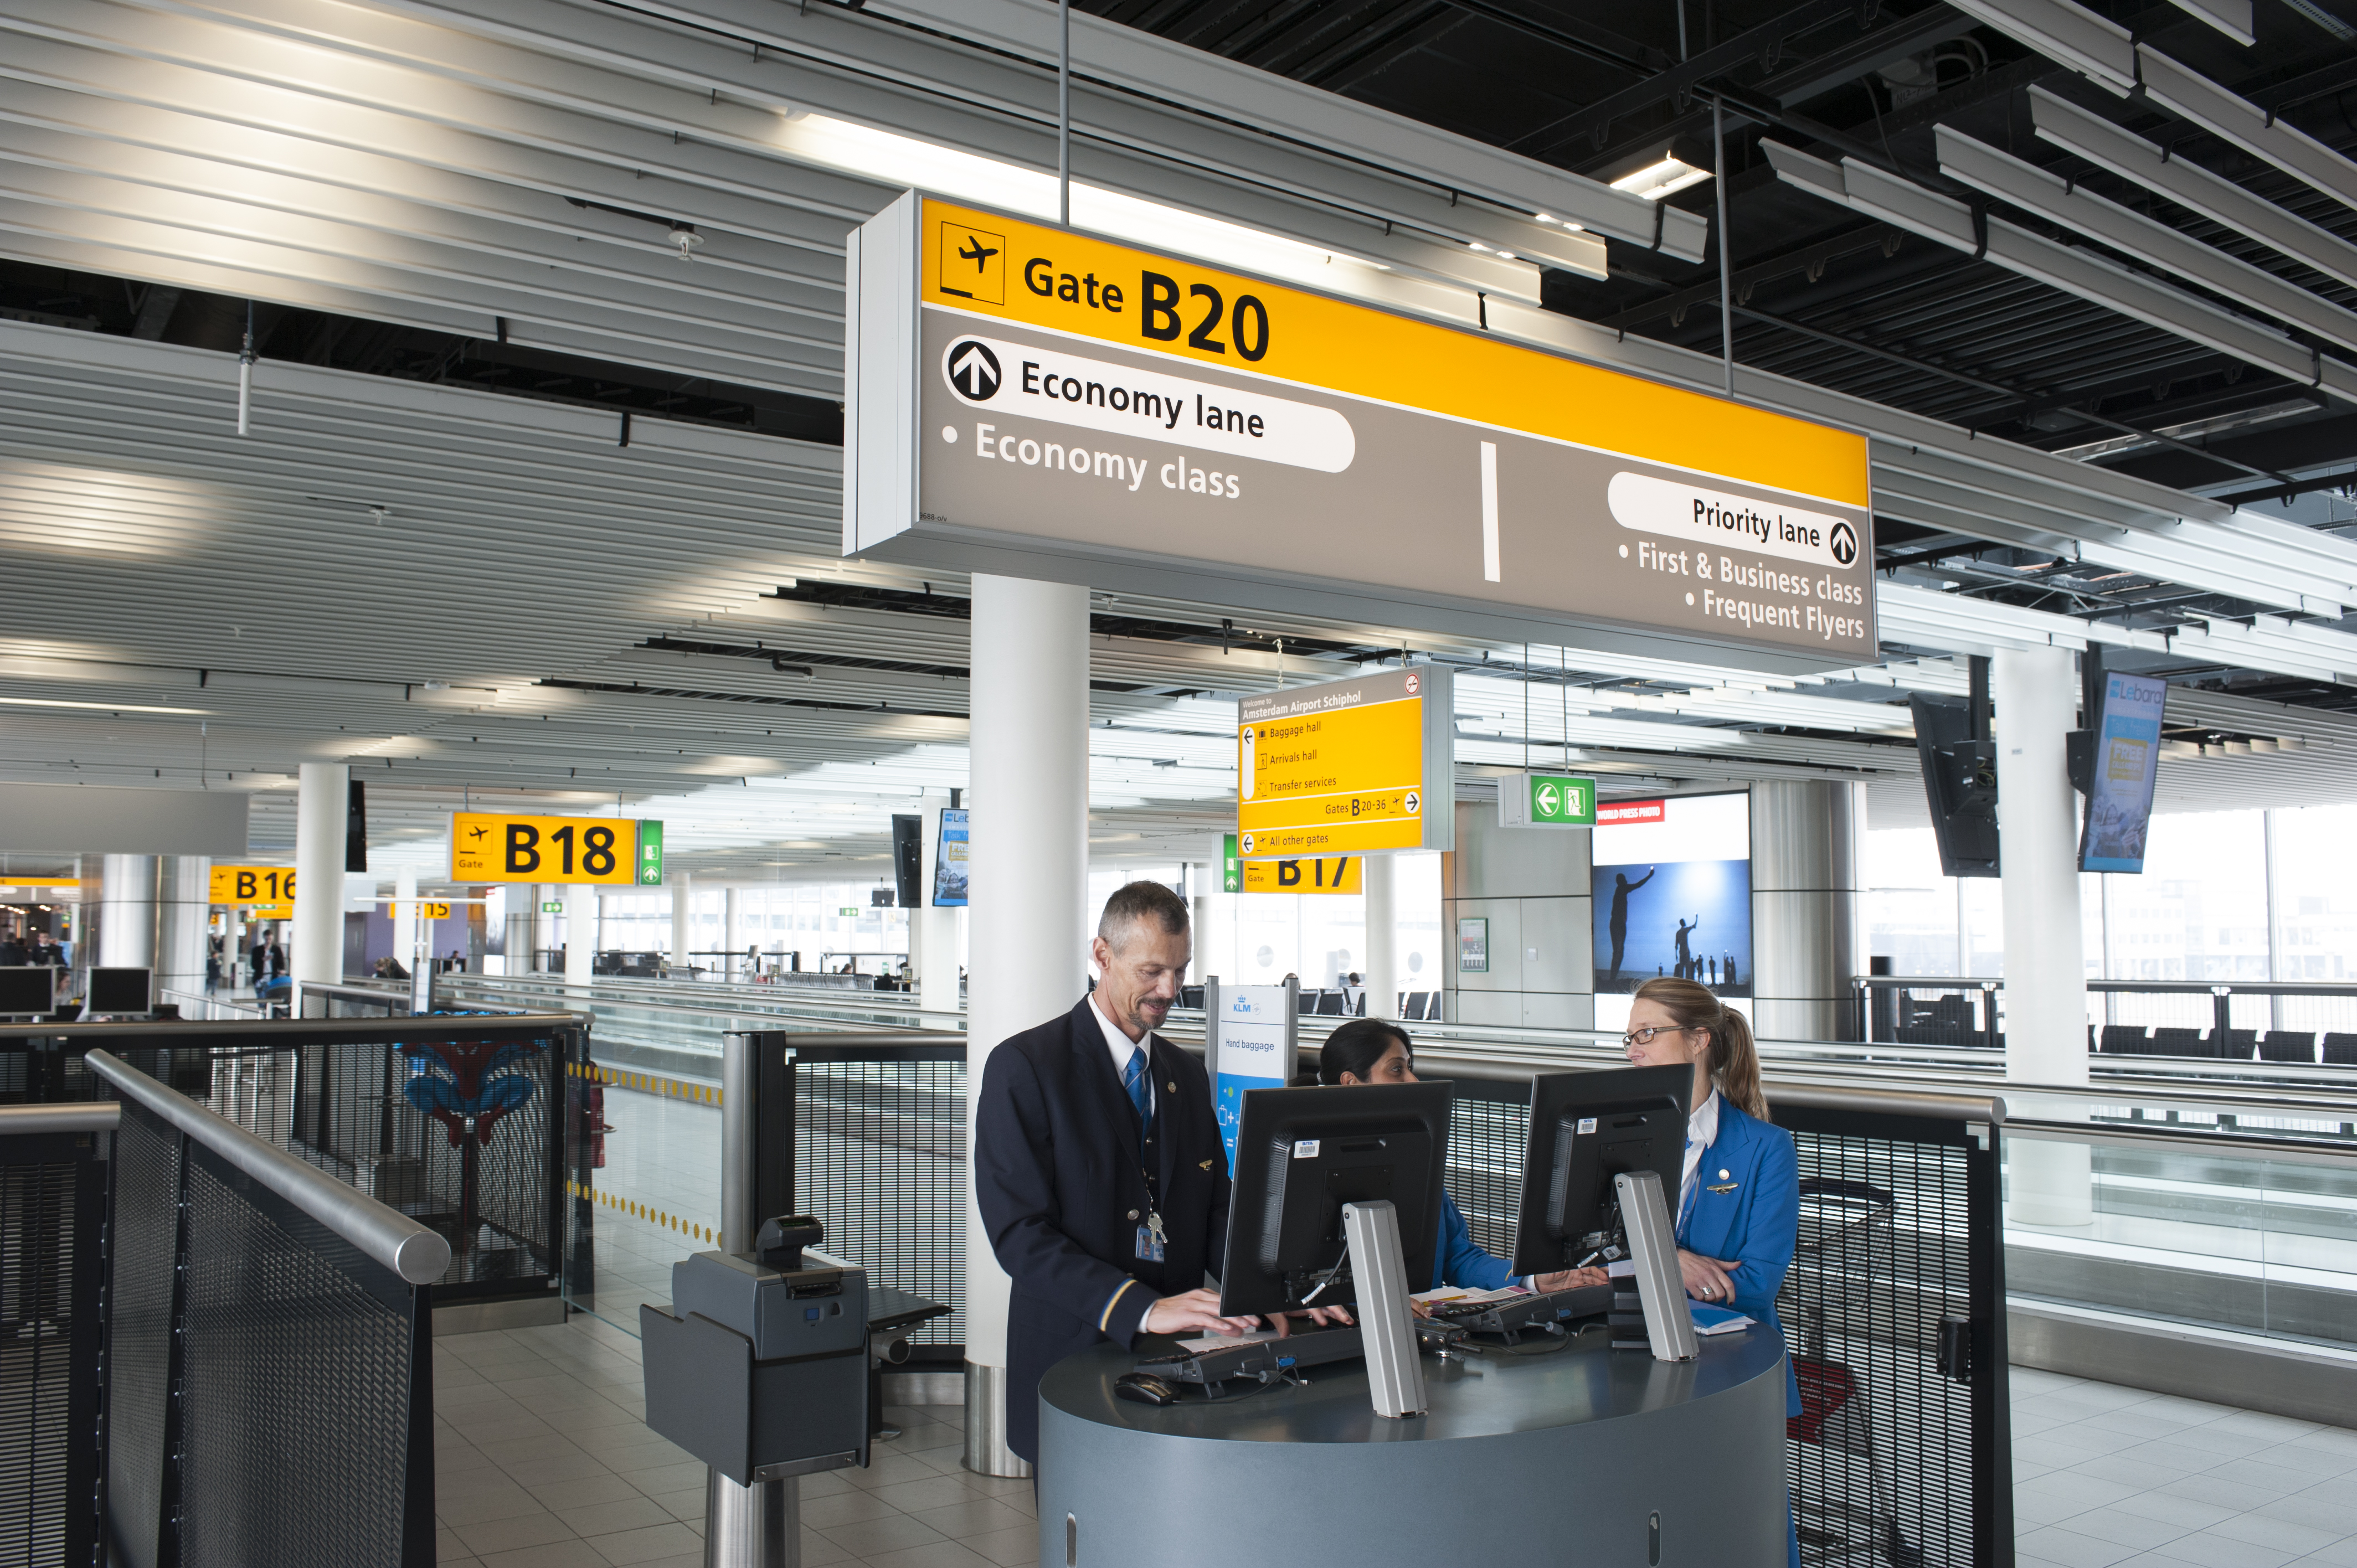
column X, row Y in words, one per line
column 2128, row 765
column 1671, row 881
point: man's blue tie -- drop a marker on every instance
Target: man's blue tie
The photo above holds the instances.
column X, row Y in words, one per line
column 1133, row 1078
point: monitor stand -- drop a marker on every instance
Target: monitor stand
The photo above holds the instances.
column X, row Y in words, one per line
column 1654, row 1250
column 1395, row 1375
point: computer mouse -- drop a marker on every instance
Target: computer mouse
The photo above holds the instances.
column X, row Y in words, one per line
column 1145, row 1387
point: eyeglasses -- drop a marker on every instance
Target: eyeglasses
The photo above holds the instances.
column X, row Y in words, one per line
column 1645, row 1036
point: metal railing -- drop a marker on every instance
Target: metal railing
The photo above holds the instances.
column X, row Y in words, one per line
column 218, row 1354
column 2274, row 1021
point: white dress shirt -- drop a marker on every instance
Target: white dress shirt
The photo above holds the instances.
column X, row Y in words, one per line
column 1702, row 1131
column 1124, row 1048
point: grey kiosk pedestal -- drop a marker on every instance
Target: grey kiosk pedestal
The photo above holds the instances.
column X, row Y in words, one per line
column 1582, row 1454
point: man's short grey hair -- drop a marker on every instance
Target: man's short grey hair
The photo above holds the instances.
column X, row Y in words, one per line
column 1136, row 901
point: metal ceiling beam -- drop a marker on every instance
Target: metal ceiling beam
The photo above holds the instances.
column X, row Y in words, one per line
column 1876, row 193
column 1157, row 70
column 2132, row 157
column 2063, row 202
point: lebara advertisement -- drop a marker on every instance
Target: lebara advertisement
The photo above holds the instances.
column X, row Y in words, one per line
column 1672, row 880
column 949, row 862
column 2127, row 754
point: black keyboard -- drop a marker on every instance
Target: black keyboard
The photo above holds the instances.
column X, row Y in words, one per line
column 1259, row 1358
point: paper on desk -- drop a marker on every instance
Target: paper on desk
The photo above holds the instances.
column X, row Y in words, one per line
column 1711, row 1320
column 1450, row 1296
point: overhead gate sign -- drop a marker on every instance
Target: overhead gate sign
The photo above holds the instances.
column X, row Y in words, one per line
column 1029, row 400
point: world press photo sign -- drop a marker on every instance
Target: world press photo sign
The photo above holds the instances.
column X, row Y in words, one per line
column 1029, row 400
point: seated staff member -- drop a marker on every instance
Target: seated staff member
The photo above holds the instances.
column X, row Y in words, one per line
column 1098, row 1167
column 1376, row 1050
column 1739, row 1189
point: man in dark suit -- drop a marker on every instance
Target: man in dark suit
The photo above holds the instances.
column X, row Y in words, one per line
column 1097, row 1163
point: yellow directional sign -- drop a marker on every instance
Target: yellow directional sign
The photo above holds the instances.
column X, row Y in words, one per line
column 1343, row 767
column 253, row 884
column 1033, row 395
column 271, row 911
column 495, row 847
column 1334, row 874
column 426, row 911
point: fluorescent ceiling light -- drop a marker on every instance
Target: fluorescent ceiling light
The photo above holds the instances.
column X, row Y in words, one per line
column 1667, row 178
column 102, row 707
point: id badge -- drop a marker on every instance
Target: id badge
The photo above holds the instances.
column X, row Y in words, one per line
column 1149, row 1245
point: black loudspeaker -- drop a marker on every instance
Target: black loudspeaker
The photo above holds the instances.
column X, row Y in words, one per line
column 909, row 859
column 1951, row 740
column 356, row 828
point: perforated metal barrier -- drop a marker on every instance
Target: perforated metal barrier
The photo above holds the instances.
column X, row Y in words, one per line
column 880, row 1156
column 52, row 1203
column 269, row 1388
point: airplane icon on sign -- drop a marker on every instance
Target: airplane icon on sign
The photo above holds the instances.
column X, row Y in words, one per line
column 974, row 251
column 477, row 832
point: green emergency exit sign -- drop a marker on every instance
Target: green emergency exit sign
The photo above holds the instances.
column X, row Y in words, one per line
column 1546, row 800
column 1232, row 866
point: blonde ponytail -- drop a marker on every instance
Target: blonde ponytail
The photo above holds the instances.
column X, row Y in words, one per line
column 1734, row 1062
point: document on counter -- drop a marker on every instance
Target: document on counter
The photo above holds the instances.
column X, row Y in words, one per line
column 1222, row 1341
column 1711, row 1320
column 1453, row 1295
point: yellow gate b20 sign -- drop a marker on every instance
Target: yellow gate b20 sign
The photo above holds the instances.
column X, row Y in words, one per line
column 487, row 847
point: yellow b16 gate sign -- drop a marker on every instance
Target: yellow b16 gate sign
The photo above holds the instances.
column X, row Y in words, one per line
column 236, row 885
column 489, row 847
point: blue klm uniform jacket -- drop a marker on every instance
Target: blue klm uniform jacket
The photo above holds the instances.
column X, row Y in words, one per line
column 1746, row 1211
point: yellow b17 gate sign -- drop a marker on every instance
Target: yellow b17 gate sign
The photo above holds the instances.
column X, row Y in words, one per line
column 605, row 851
column 1334, row 874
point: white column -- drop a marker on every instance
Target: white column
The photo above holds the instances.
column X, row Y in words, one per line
column 1804, row 853
column 1200, row 880
column 127, row 912
column 728, row 944
column 183, row 926
column 2035, row 696
column 683, row 890
column 1379, row 877
column 1029, row 868
column 322, row 801
column 406, row 923
column 580, row 934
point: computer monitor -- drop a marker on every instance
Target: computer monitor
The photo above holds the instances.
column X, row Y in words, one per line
column 1586, row 1129
column 31, row 991
column 119, row 990
column 1301, row 1155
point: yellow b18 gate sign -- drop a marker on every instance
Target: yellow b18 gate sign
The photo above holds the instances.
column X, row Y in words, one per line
column 609, row 850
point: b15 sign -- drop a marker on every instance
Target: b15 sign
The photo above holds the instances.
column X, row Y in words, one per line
column 1030, row 399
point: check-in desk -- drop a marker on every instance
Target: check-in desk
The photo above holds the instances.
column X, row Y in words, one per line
column 1581, row 1456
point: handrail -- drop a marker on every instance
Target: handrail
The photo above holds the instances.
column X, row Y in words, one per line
column 211, row 1003
column 76, row 1116
column 383, row 1234
column 2186, row 987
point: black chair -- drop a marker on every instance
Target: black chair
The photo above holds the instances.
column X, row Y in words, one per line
column 2126, row 1039
column 2289, row 1046
column 1361, row 1010
column 2340, row 1051
column 1418, row 1002
column 1190, row 996
column 2176, row 1043
column 1306, row 1002
column 2241, row 1046
column 1330, row 1003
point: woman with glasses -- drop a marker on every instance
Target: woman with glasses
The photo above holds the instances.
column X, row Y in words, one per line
column 1739, row 1189
column 1376, row 1050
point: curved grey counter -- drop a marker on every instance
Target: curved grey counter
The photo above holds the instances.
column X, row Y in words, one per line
column 1566, row 1457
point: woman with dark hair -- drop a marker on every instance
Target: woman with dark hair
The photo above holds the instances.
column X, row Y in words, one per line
column 1376, row 1050
column 1739, row 1189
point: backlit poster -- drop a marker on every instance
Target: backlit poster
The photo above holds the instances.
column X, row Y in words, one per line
column 2128, row 757
column 1671, row 885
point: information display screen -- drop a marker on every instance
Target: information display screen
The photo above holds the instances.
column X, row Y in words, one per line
column 949, row 862
column 2127, row 763
column 1671, row 896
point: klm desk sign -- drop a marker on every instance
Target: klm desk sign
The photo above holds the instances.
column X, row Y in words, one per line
column 1031, row 399
column 1253, row 1043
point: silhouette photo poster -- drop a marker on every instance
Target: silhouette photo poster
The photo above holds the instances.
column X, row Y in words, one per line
column 1672, row 885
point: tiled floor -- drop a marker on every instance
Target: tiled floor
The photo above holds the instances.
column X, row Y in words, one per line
column 2113, row 1477
column 543, row 1463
